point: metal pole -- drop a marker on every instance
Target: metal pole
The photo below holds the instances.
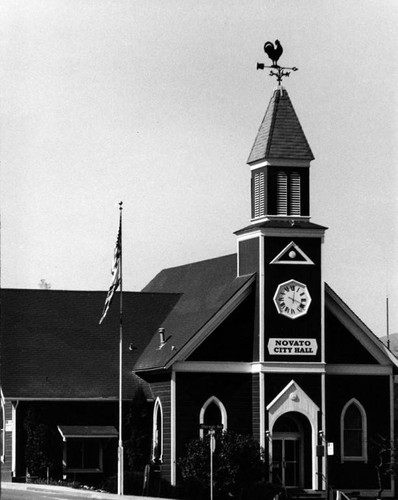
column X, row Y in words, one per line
column 212, row 446
column 120, row 447
column 388, row 325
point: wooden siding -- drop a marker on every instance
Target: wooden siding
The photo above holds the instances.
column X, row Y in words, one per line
column 373, row 393
column 248, row 255
column 256, row 406
column 233, row 339
column 6, row 467
column 307, row 326
column 342, row 346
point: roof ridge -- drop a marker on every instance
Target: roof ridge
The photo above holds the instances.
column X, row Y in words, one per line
column 273, row 120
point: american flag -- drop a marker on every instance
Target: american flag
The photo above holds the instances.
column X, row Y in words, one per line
column 115, row 275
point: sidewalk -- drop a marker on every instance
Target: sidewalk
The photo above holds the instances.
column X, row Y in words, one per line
column 71, row 493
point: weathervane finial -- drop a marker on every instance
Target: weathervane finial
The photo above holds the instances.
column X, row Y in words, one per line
column 274, row 52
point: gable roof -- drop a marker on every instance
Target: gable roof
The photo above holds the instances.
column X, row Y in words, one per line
column 280, row 135
column 206, row 288
column 358, row 328
column 52, row 346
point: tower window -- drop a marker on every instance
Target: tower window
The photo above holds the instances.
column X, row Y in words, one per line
column 295, row 194
column 259, row 194
column 288, row 193
column 281, row 193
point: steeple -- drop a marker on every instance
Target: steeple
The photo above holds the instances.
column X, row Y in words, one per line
column 280, row 136
column 279, row 161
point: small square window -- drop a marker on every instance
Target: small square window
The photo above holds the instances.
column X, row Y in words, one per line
column 83, row 455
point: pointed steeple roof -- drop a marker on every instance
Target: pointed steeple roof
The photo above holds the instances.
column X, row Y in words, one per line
column 280, row 135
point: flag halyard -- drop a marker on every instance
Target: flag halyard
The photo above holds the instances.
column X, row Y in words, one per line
column 115, row 275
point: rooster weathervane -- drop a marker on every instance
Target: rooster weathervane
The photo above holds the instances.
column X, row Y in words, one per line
column 274, row 52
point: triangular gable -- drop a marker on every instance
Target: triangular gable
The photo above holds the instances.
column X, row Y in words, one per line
column 207, row 329
column 209, row 290
column 233, row 340
column 292, row 254
column 365, row 338
column 291, row 398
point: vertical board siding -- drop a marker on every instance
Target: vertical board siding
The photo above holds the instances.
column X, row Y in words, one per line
column 6, row 467
column 256, row 405
column 372, row 392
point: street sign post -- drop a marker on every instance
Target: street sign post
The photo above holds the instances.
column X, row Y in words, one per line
column 212, row 431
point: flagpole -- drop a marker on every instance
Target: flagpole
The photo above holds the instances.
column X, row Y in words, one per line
column 120, row 447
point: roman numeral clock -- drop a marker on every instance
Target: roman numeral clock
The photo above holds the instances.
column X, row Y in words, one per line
column 292, row 299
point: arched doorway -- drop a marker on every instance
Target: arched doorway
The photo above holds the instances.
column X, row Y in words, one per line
column 291, row 451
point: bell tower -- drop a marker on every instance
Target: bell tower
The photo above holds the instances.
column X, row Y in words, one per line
column 281, row 244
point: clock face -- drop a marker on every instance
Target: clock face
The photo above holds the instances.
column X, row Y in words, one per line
column 292, row 299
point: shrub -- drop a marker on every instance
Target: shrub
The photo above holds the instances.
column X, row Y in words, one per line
column 238, row 463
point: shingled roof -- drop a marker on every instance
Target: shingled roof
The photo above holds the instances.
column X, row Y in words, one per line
column 52, row 346
column 280, row 135
column 205, row 287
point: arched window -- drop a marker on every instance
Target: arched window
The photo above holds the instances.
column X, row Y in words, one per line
column 213, row 412
column 157, row 433
column 353, row 432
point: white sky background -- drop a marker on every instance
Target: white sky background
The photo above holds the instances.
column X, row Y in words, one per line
column 158, row 102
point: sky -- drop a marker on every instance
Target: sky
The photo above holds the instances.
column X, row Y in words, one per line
column 157, row 103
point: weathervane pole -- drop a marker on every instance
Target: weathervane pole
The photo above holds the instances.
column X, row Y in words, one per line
column 120, row 447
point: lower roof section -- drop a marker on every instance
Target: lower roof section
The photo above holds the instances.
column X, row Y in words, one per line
column 87, row 431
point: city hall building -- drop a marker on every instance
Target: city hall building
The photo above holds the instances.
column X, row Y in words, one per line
column 254, row 341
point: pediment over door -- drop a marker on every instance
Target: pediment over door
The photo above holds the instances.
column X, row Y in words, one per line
column 292, row 399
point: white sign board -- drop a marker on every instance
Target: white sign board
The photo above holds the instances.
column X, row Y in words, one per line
column 8, row 425
column 295, row 347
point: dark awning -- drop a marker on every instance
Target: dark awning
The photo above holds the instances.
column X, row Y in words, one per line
column 87, row 431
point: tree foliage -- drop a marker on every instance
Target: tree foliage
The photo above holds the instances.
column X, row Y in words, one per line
column 137, row 429
column 238, row 463
column 39, row 444
column 383, row 455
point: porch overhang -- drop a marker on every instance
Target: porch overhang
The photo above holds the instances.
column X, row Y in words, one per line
column 87, row 431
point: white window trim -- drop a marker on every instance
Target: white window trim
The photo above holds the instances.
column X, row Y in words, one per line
column 157, row 407
column 364, row 455
column 223, row 411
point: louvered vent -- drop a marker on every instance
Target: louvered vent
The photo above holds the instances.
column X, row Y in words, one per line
column 259, row 194
column 295, row 194
column 281, row 193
